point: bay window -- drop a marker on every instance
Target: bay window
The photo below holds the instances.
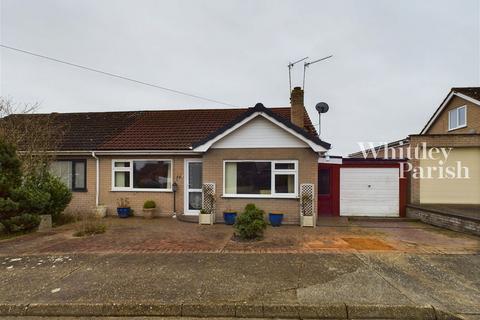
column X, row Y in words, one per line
column 262, row 178
column 73, row 173
column 142, row 175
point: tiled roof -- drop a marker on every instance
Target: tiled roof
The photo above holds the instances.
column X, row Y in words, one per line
column 149, row 130
column 473, row 92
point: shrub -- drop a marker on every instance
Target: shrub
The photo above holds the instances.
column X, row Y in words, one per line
column 123, row 203
column 44, row 194
column 250, row 223
column 65, row 218
column 149, row 204
column 23, row 222
column 89, row 225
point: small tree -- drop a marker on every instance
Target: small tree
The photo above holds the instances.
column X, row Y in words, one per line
column 10, row 179
column 250, row 224
column 35, row 135
column 43, row 194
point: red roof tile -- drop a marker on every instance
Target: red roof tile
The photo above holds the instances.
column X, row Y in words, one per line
column 148, row 130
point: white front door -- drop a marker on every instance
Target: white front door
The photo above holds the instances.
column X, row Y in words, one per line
column 193, row 186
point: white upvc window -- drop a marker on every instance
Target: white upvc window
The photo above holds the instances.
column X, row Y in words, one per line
column 142, row 175
column 457, row 118
column 260, row 178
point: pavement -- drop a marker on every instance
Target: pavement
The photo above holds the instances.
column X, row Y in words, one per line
column 77, row 284
column 367, row 270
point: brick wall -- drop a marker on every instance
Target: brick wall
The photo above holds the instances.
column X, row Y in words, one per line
column 440, row 126
column 445, row 221
column 213, row 172
column 83, row 201
column 446, row 140
column 164, row 200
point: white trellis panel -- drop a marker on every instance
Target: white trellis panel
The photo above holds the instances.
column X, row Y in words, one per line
column 208, row 203
column 307, row 205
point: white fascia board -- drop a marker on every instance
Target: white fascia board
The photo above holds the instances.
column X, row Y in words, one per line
column 437, row 113
column 465, row 97
column 147, row 152
column 329, row 160
column 123, row 152
column 204, row 147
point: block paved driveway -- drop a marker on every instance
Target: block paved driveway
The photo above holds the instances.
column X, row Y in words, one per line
column 165, row 235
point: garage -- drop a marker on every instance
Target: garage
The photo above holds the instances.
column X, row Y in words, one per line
column 369, row 192
column 360, row 188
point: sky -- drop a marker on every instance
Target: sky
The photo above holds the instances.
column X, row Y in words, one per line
column 393, row 61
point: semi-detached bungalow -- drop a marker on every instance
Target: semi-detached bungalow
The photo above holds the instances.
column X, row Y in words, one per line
column 260, row 155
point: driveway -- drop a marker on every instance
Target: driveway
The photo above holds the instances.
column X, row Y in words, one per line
column 165, row 235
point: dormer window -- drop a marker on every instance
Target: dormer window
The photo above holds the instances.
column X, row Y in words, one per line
column 457, row 118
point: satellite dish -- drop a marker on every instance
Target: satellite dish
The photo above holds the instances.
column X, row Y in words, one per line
column 322, row 107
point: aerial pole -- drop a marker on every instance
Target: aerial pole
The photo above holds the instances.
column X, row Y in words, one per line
column 307, row 64
column 290, row 66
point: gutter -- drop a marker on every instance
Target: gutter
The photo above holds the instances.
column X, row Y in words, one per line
column 97, row 181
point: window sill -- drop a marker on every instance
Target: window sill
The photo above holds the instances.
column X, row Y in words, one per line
column 79, row 190
column 258, row 196
column 453, row 129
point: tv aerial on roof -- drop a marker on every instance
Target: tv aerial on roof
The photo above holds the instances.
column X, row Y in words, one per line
column 307, row 64
column 290, row 66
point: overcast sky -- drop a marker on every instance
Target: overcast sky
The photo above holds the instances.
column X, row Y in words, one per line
column 393, row 63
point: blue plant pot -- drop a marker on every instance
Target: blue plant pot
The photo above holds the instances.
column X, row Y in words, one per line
column 229, row 217
column 275, row 219
column 123, row 212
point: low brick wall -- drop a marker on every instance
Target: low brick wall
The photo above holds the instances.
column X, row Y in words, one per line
column 444, row 220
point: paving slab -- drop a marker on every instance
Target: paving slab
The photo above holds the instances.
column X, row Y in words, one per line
column 25, row 276
column 449, row 282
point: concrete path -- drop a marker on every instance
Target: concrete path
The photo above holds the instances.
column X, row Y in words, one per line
column 446, row 282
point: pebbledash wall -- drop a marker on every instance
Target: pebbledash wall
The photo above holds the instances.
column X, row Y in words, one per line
column 212, row 172
column 307, row 173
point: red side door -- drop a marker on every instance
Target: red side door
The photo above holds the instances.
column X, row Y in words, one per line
column 328, row 190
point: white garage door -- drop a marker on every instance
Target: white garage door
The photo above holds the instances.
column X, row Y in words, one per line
column 369, row 192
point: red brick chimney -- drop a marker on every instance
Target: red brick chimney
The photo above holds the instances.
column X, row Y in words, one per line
column 297, row 108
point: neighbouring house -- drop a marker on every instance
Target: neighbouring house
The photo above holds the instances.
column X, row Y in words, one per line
column 456, row 125
column 253, row 155
column 392, row 150
column 442, row 190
